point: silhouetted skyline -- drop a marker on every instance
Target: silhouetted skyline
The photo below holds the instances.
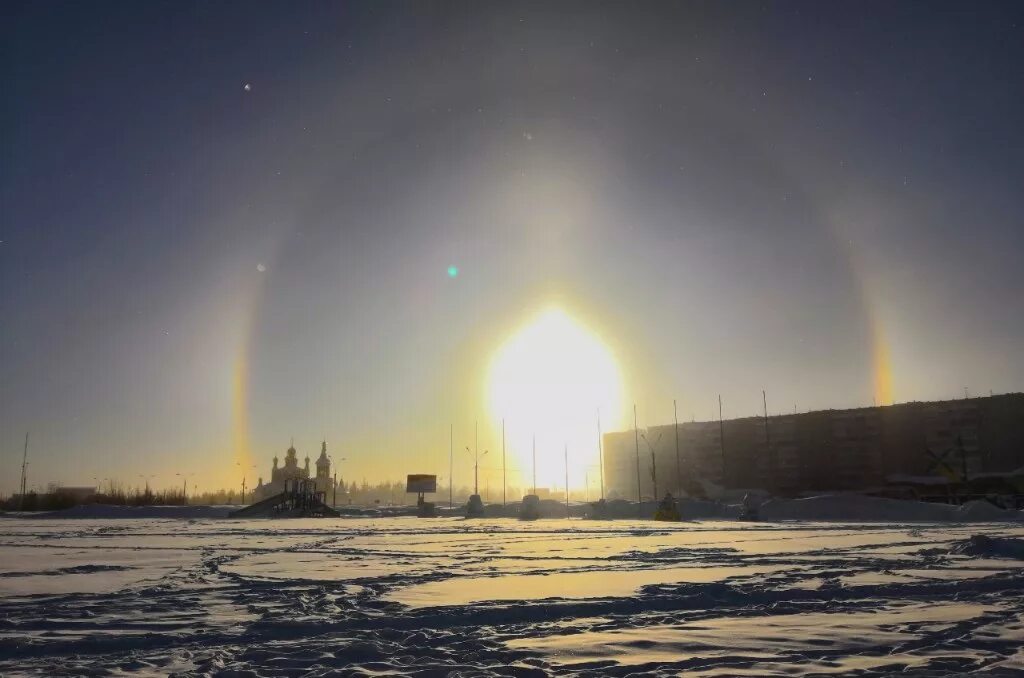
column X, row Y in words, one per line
column 226, row 224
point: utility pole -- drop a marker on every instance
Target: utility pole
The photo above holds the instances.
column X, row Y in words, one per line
column 654, row 475
column 504, row 477
column 451, row 447
column 535, row 463
column 721, row 438
column 567, row 480
column 963, row 456
column 679, row 468
column 654, row 467
column 476, row 469
column 767, row 439
column 636, row 439
column 24, row 466
column 600, row 451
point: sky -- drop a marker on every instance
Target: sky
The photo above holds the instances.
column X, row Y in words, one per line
column 224, row 226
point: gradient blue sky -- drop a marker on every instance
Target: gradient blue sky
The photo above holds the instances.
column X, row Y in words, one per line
column 732, row 196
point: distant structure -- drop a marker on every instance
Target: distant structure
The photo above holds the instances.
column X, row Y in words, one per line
column 291, row 472
column 300, row 499
column 79, row 494
column 852, row 449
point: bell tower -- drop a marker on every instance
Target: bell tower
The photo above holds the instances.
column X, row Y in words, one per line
column 323, row 464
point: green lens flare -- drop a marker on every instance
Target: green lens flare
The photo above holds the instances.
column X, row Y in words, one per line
column 453, row 271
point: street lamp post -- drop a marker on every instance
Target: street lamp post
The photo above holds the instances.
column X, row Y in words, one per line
column 567, row 480
column 504, row 480
column 476, row 468
column 334, row 495
column 636, row 441
column 148, row 496
column 654, row 468
column 184, row 486
column 244, row 470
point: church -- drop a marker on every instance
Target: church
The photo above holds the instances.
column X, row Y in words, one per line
column 291, row 471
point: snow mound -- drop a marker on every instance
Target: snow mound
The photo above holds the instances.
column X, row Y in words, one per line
column 696, row 509
column 109, row 511
column 983, row 546
column 975, row 511
column 872, row 509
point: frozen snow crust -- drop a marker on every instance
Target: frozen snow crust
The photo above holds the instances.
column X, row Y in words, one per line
column 931, row 591
column 984, row 546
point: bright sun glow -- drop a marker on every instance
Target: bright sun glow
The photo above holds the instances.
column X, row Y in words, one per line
column 550, row 380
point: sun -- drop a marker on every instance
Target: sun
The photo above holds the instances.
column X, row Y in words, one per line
column 551, row 380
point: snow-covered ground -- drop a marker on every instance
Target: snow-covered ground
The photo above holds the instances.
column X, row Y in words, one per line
column 208, row 596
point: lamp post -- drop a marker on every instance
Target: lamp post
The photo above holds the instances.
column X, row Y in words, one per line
column 679, row 468
column 184, row 486
column 148, row 496
column 596, row 467
column 636, row 441
column 654, row 468
column 600, row 451
column 476, row 468
column 24, row 470
column 504, row 480
column 334, row 496
column 244, row 470
column 566, row 480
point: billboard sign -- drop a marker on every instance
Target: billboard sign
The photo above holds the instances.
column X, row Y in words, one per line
column 421, row 482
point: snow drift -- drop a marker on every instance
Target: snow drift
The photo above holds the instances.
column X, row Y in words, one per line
column 857, row 508
column 828, row 507
column 110, row 511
